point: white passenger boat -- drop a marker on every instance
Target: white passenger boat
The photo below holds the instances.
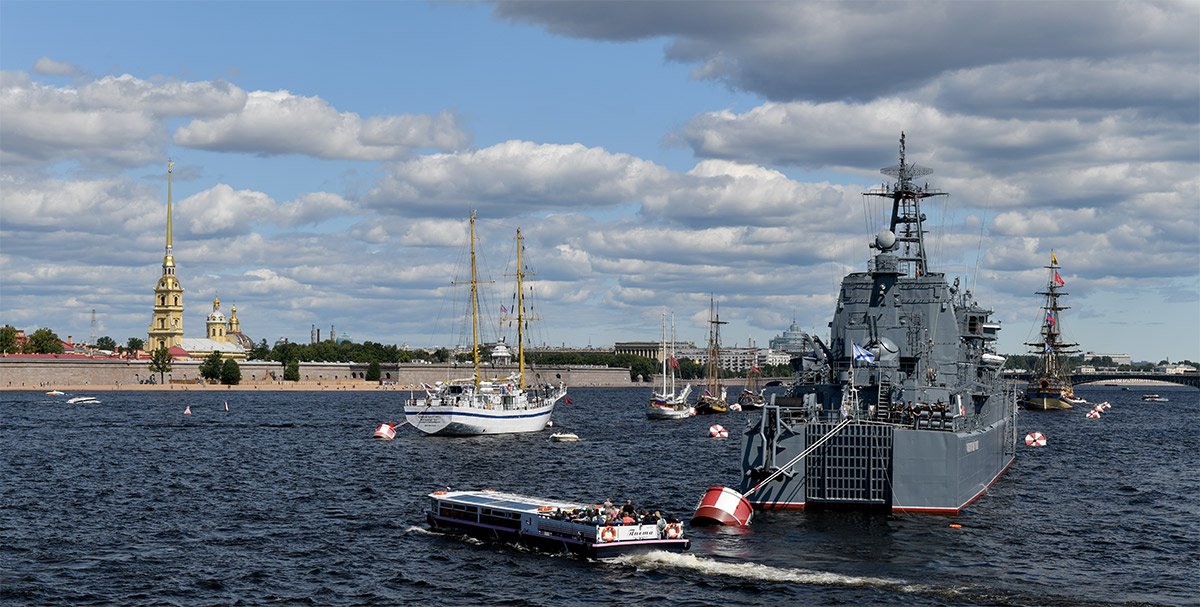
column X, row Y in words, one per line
column 474, row 405
column 545, row 524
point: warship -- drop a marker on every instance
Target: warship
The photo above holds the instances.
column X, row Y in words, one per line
column 903, row 409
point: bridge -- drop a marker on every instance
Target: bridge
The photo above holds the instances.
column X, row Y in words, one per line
column 1183, row 379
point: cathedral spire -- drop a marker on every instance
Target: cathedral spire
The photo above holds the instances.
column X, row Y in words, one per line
column 169, row 257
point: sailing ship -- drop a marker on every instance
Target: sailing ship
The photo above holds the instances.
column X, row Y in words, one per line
column 1050, row 387
column 713, row 399
column 752, row 394
column 475, row 405
column 667, row 403
column 905, row 409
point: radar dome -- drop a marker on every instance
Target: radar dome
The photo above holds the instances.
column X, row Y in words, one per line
column 885, row 240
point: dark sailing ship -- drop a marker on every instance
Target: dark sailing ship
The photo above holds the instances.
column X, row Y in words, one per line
column 713, row 399
column 1050, row 387
column 904, row 409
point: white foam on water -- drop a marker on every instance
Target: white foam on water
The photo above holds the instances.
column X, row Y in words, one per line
column 420, row 531
column 755, row 571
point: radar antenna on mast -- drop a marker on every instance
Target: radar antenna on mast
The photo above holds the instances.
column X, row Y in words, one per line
column 907, row 220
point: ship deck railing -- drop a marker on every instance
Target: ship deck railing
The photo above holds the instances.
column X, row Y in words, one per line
column 917, row 420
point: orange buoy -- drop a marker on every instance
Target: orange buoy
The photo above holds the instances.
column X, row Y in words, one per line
column 386, row 431
column 718, row 431
column 722, row 506
column 955, row 526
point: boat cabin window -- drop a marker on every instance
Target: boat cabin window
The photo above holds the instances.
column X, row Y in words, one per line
column 973, row 324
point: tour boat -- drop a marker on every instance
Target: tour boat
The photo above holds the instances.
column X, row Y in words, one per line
column 546, row 524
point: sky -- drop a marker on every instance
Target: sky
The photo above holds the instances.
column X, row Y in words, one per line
column 654, row 155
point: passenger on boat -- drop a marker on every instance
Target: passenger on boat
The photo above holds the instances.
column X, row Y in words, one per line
column 628, row 508
column 661, row 523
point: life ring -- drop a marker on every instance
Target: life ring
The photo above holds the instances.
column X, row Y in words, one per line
column 608, row 534
column 674, row 531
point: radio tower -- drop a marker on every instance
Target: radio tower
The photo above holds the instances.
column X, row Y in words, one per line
column 93, row 342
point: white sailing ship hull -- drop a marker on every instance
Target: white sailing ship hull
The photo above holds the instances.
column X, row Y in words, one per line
column 449, row 420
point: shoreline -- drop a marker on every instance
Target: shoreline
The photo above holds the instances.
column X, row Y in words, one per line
column 297, row 387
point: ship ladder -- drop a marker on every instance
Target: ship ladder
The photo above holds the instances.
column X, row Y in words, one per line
column 803, row 454
column 883, row 401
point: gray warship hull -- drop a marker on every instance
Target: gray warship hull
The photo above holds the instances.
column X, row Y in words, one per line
column 903, row 408
column 875, row 466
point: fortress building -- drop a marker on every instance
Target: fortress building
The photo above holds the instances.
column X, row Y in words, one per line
column 166, row 327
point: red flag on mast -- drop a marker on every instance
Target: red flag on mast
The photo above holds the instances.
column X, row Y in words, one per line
column 1058, row 279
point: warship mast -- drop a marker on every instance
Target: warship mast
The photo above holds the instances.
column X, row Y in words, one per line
column 907, row 220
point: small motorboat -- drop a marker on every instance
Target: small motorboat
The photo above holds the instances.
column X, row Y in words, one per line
column 564, row 437
column 55, row 393
column 78, row 400
column 1154, row 398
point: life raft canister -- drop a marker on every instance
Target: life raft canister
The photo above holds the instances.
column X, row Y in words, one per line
column 608, row 534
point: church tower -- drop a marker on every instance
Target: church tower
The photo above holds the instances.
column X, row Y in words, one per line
column 216, row 322
column 166, row 327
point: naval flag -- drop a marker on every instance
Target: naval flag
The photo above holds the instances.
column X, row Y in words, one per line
column 862, row 355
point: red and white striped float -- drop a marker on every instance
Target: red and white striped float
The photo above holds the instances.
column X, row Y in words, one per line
column 722, row 506
column 187, row 410
column 386, row 431
column 718, row 431
column 1093, row 414
column 1035, row 439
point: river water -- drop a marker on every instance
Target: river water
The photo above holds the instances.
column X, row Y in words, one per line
column 287, row 499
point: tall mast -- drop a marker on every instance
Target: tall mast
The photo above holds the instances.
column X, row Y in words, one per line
column 664, row 352
column 520, row 311
column 474, row 304
column 907, row 220
column 673, row 353
column 714, row 347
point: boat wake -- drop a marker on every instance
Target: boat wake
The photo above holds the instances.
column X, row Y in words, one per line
column 420, row 531
column 658, row 560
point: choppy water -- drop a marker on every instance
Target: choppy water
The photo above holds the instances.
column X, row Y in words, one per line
column 287, row 499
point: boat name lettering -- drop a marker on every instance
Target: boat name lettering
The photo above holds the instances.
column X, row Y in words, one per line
column 972, row 446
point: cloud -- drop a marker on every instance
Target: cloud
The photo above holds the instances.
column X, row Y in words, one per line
column 863, row 50
column 513, row 178
column 44, row 124
column 279, row 122
column 50, row 67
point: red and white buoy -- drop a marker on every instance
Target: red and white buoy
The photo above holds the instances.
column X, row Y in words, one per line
column 1093, row 414
column 187, row 410
column 722, row 506
column 718, row 431
column 1035, row 439
column 386, row 431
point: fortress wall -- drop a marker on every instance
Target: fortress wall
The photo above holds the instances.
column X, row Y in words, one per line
column 25, row 373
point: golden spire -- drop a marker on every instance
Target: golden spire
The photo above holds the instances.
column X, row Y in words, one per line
column 170, row 242
column 169, row 257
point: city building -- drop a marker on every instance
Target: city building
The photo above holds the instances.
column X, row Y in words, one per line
column 1118, row 359
column 649, row 349
column 792, row 341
